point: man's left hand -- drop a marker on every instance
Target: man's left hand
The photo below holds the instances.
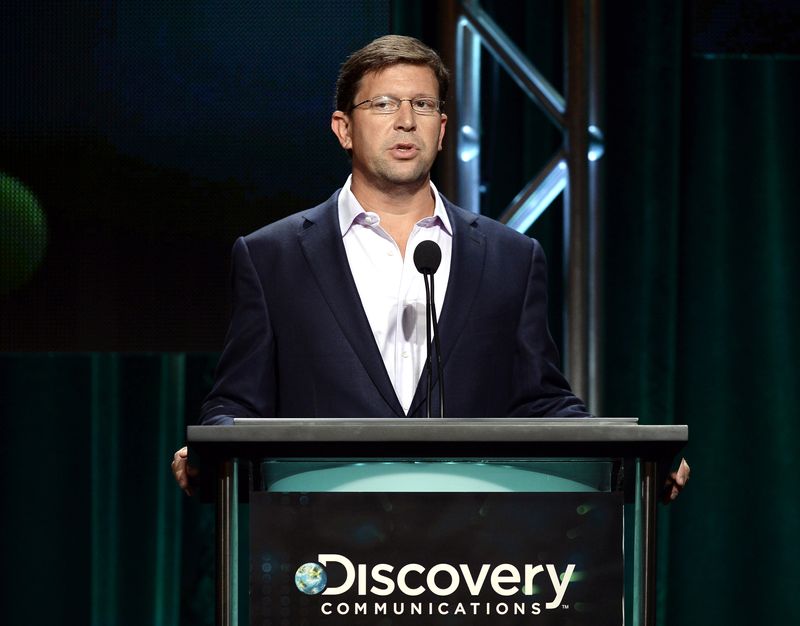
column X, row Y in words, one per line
column 676, row 482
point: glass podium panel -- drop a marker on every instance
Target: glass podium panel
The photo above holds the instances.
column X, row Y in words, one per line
column 565, row 514
column 440, row 475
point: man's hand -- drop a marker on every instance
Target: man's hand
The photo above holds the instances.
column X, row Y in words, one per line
column 676, row 482
column 182, row 471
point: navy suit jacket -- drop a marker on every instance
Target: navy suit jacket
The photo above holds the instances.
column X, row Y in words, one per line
column 299, row 343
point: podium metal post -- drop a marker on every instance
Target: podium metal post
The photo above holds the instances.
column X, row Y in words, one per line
column 225, row 544
column 649, row 496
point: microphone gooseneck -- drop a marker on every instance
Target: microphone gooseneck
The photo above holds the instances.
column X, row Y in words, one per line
column 438, row 347
column 427, row 257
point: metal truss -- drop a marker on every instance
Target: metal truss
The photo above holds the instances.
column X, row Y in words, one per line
column 572, row 169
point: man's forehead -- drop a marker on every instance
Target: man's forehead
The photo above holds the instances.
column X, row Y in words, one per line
column 422, row 75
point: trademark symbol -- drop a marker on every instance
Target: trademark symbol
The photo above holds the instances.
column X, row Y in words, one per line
column 565, row 606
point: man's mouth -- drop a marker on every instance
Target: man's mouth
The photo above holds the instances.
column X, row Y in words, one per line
column 404, row 149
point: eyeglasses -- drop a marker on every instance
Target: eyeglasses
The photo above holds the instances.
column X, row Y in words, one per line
column 386, row 105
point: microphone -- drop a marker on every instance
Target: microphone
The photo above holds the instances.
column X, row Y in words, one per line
column 427, row 257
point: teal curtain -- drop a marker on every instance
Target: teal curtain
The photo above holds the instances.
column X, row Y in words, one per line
column 738, row 341
column 701, row 302
column 94, row 530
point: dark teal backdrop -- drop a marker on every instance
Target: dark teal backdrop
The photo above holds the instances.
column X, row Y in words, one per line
column 702, row 303
column 701, row 327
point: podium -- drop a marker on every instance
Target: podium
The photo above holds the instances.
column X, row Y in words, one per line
column 530, row 464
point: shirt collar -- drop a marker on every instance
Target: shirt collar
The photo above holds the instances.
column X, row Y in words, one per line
column 350, row 210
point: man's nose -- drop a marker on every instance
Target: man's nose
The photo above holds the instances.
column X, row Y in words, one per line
column 405, row 118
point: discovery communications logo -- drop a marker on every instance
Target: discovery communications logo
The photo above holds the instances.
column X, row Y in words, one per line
column 442, row 580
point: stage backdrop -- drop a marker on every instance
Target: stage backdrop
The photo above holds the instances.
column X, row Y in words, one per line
column 700, row 316
column 139, row 139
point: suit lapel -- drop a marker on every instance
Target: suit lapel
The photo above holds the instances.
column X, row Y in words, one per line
column 466, row 271
column 321, row 241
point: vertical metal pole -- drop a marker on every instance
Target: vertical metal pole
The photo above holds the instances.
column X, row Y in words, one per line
column 446, row 166
column 224, row 499
column 595, row 208
column 576, row 199
column 468, row 70
column 648, row 522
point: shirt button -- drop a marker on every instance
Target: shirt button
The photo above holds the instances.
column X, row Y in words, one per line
column 405, row 355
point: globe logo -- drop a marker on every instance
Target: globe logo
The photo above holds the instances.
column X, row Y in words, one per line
column 311, row 578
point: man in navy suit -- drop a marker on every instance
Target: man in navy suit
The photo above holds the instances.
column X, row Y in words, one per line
column 328, row 309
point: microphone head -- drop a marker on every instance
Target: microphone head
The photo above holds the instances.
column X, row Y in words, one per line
column 427, row 257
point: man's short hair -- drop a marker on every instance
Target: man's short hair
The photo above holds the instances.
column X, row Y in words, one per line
column 380, row 54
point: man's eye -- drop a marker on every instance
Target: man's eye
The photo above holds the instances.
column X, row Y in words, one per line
column 424, row 105
column 382, row 104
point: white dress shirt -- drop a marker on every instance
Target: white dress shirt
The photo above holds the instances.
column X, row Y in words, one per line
column 392, row 291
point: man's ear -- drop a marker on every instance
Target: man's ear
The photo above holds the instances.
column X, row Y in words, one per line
column 340, row 125
column 443, row 124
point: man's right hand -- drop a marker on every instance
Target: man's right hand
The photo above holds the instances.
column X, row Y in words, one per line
column 182, row 471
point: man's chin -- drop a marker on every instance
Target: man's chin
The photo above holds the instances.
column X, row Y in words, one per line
column 405, row 177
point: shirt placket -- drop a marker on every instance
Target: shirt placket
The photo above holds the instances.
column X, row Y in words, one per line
column 411, row 293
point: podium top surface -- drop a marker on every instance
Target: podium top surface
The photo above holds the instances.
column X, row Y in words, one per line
column 384, row 436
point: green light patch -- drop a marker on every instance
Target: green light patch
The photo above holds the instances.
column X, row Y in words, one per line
column 23, row 234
